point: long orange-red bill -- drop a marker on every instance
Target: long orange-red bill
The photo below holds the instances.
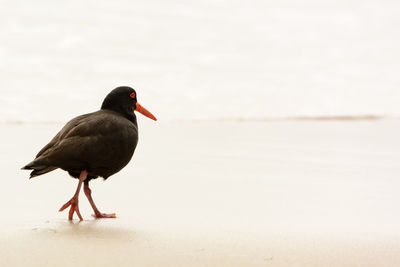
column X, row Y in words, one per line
column 145, row 111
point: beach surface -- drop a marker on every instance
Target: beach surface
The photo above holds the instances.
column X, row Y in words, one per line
column 222, row 193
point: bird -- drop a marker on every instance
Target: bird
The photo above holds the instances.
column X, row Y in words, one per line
column 93, row 145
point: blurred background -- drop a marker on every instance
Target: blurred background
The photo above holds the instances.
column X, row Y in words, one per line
column 201, row 60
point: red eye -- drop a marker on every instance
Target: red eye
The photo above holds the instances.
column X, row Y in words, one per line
column 132, row 95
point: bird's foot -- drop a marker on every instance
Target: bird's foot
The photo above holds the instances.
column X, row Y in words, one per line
column 74, row 208
column 99, row 215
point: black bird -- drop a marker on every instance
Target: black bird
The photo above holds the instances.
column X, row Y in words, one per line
column 93, row 145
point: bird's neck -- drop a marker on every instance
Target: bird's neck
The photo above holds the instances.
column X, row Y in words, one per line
column 126, row 112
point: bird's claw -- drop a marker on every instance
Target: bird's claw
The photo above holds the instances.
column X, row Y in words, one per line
column 74, row 208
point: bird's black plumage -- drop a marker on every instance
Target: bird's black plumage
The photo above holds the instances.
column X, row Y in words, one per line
column 102, row 142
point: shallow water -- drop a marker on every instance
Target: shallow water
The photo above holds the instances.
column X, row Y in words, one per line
column 214, row 193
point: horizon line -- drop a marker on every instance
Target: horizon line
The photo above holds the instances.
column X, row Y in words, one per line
column 244, row 119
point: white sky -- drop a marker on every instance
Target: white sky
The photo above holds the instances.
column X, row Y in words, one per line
column 200, row 59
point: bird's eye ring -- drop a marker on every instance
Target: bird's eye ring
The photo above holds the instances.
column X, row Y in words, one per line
column 132, row 95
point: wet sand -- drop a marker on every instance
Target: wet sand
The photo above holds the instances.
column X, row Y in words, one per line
column 284, row 193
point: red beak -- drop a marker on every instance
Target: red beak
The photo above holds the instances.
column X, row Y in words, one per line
column 145, row 111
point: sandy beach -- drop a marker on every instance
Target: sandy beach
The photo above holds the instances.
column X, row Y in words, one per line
column 223, row 193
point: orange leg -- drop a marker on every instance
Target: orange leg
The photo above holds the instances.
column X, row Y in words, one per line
column 97, row 213
column 75, row 199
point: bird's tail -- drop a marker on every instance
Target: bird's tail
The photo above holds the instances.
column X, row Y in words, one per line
column 38, row 169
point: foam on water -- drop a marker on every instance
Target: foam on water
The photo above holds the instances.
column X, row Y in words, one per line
column 200, row 59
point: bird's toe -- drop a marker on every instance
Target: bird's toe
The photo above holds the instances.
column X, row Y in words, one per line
column 104, row 215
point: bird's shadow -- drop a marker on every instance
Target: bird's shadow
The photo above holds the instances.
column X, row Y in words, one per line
column 88, row 229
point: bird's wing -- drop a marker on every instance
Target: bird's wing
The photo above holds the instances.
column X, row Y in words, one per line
column 87, row 139
column 67, row 127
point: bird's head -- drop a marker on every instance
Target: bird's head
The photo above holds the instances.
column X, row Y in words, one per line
column 123, row 99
